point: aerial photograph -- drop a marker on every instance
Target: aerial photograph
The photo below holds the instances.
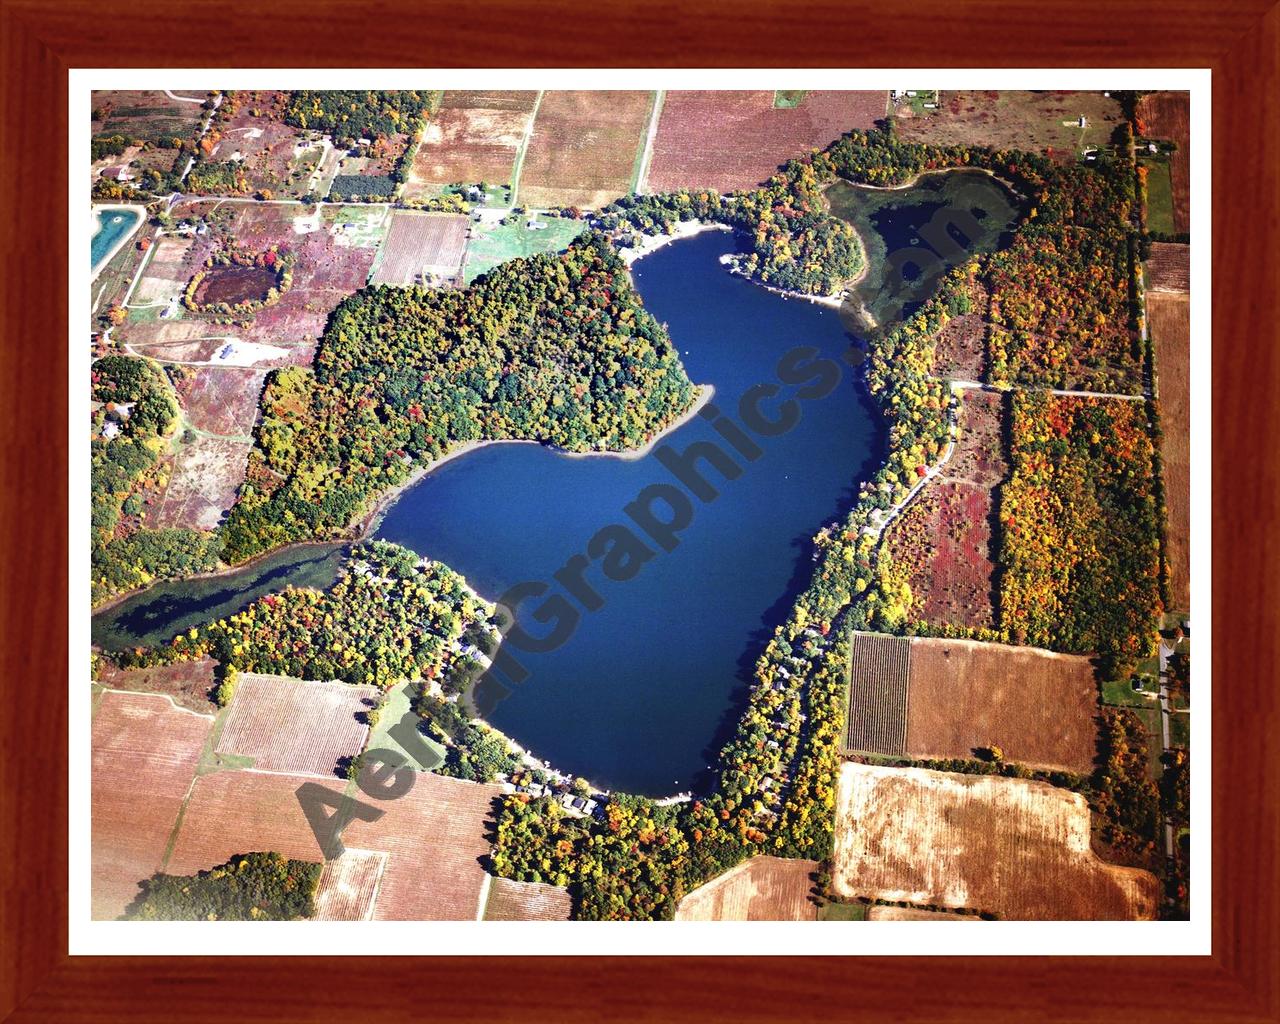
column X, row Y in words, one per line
column 671, row 505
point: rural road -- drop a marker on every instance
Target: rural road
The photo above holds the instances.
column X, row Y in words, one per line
column 977, row 385
column 1165, row 652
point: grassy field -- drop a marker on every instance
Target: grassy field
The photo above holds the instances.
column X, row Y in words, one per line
column 492, row 244
column 1159, row 196
column 843, row 912
column 394, row 708
column 1017, row 849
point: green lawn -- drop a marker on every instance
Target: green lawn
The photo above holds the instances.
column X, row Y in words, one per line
column 1159, row 196
column 492, row 244
column 1119, row 693
column 786, row 99
column 1180, row 730
column 395, row 708
column 843, row 912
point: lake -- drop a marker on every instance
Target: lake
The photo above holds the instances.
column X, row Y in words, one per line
column 114, row 223
column 647, row 686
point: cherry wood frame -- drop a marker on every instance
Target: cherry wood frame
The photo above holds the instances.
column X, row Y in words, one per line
column 41, row 39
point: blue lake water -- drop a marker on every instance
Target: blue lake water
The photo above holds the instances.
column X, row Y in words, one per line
column 648, row 685
column 113, row 224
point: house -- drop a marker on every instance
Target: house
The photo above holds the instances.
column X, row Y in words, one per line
column 1083, row 123
column 536, row 225
column 120, row 172
column 110, row 430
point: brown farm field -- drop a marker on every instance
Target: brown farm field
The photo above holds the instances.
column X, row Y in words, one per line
column 879, row 680
column 232, row 812
column 732, row 140
column 1167, row 115
column 1046, row 122
column 348, row 886
column 1039, row 708
column 295, row 726
column 145, row 751
column 585, row 148
column 421, row 245
column 435, row 836
column 474, row 136
column 943, row 539
column 526, row 901
column 1170, row 317
column 1169, row 268
column 1013, row 848
column 760, row 889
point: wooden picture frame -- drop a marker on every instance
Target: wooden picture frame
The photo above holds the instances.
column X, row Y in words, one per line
column 41, row 39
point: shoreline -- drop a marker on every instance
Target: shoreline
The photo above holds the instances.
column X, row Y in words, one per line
column 98, row 210
column 367, row 524
column 652, row 243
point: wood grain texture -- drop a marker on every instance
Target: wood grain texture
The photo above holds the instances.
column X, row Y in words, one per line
column 40, row 41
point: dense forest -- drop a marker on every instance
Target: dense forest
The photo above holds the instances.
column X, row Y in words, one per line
column 552, row 348
column 389, row 616
column 135, row 414
column 248, row 887
column 349, row 115
column 1080, row 550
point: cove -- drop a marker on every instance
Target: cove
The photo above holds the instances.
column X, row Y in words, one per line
column 159, row 613
column 914, row 234
column 114, row 224
column 648, row 686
